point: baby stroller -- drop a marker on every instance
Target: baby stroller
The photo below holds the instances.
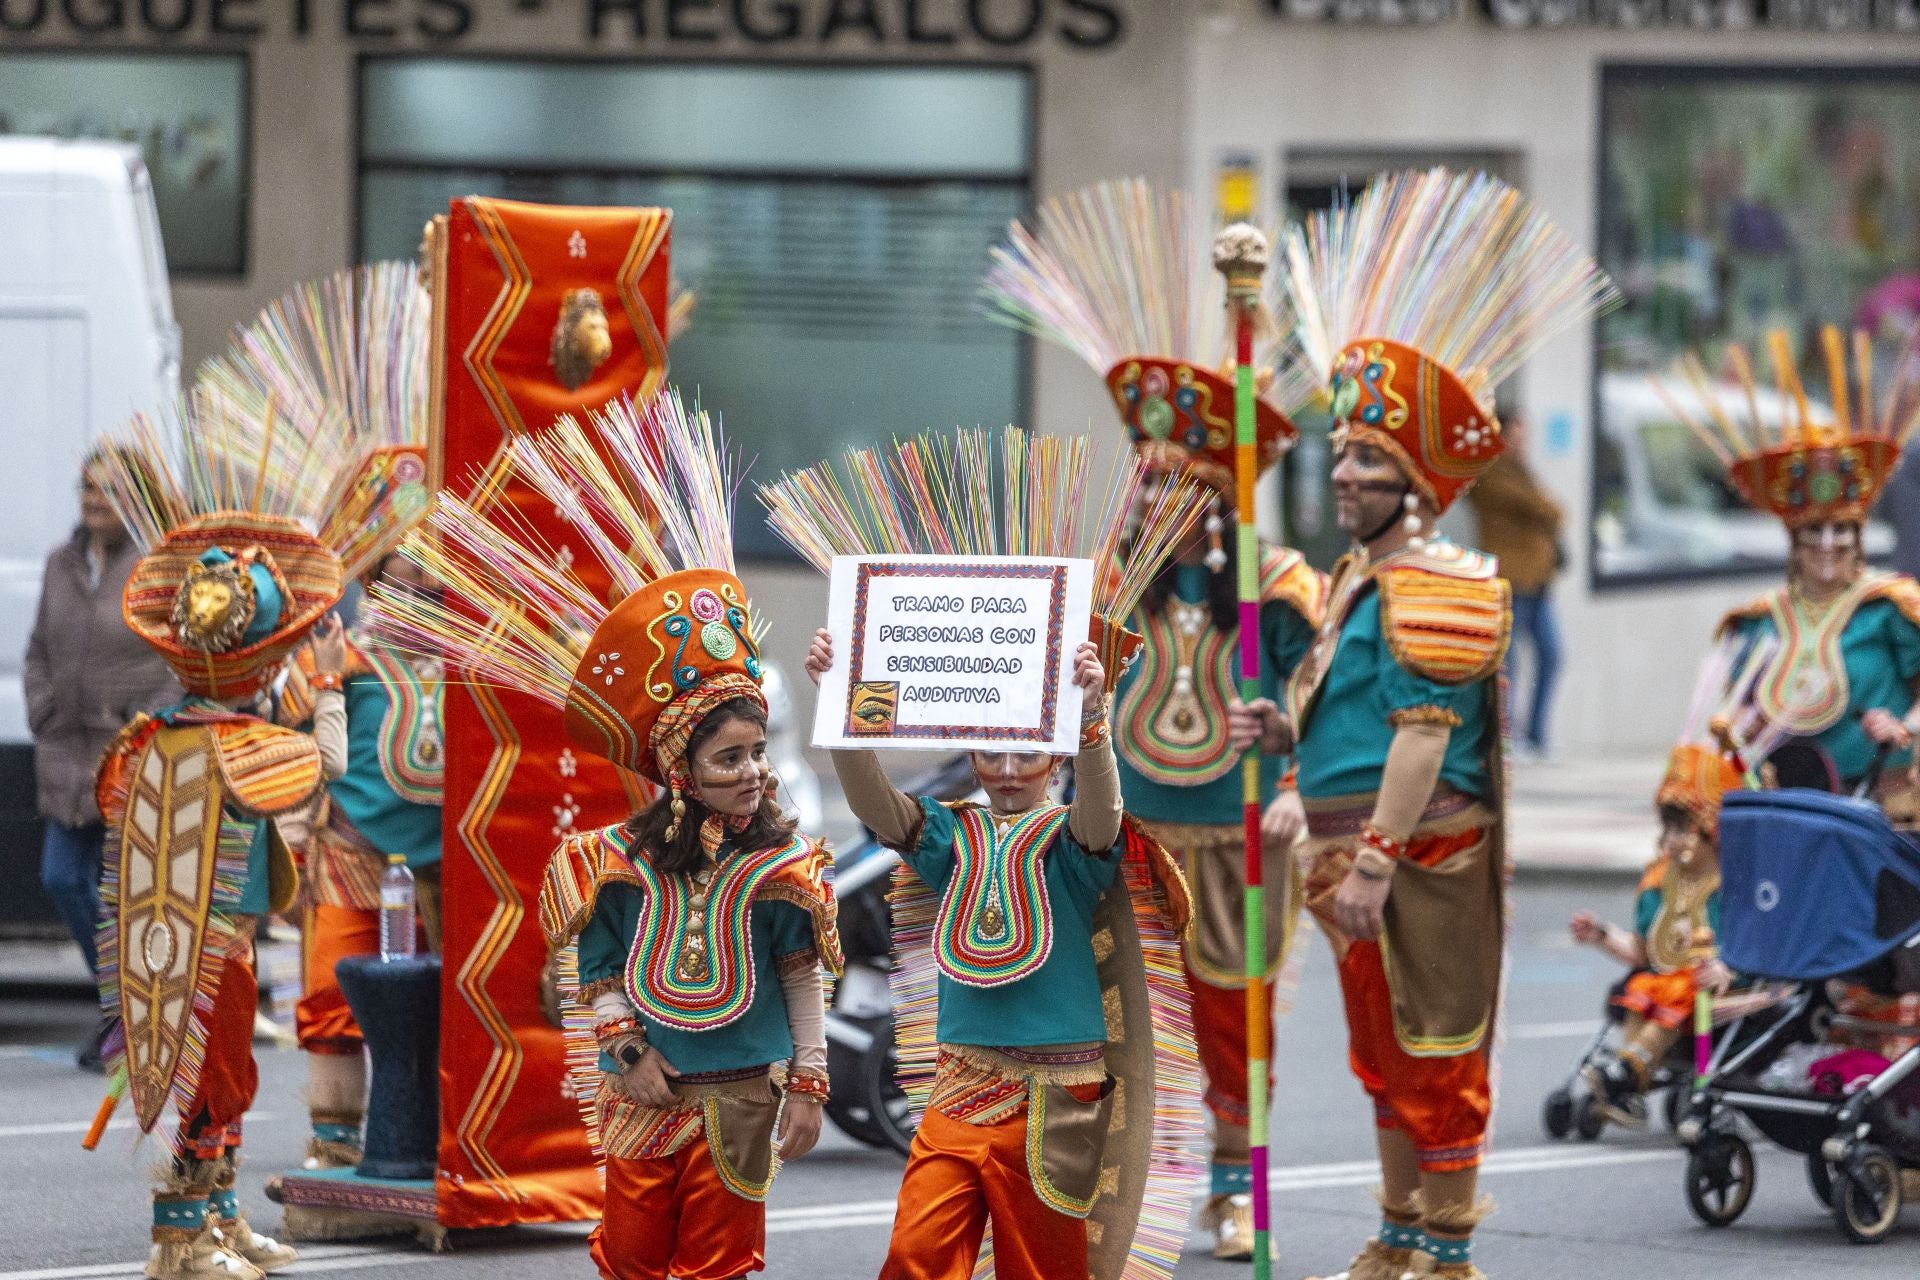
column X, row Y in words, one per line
column 1814, row 887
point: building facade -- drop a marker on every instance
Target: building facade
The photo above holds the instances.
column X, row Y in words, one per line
column 837, row 168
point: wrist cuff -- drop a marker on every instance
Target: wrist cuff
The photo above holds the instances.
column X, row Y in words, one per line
column 807, row 1084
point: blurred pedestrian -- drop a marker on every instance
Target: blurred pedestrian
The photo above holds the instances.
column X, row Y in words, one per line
column 1520, row 525
column 87, row 675
column 1900, row 507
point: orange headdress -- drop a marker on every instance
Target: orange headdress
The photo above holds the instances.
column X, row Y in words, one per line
column 1121, row 274
column 1417, row 300
column 232, row 578
column 1696, row 779
column 1806, row 462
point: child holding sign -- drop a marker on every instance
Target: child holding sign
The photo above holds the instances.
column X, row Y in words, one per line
column 1020, row 1016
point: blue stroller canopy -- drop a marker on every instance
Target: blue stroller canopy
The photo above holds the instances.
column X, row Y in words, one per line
column 1812, row 885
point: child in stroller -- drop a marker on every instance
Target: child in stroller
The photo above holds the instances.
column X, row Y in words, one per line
column 1820, row 891
column 1670, row 950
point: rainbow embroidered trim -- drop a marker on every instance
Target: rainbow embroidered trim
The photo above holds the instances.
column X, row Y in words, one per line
column 411, row 754
column 719, row 990
column 1170, row 731
column 995, row 925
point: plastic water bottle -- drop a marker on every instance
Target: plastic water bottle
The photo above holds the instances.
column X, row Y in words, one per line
column 396, row 910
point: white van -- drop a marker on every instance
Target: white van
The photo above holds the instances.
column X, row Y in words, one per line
column 87, row 338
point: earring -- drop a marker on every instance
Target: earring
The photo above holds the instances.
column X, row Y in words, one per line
column 677, row 807
column 1216, row 558
column 1412, row 523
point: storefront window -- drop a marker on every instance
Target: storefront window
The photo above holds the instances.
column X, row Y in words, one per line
column 187, row 112
column 1734, row 201
column 833, row 223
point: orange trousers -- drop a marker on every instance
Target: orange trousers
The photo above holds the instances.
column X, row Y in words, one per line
column 322, row 1019
column 1663, row 998
column 210, row 1121
column 1220, row 1027
column 672, row 1216
column 961, row 1176
column 1442, row 1104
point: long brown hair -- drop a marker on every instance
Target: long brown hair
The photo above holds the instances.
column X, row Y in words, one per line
column 682, row 854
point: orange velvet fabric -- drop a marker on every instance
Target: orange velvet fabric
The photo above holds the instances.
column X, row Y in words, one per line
column 228, row 1079
column 1442, row 1104
column 322, row 1019
column 961, row 1176
column 1664, row 998
column 672, row 1216
column 1220, row 1027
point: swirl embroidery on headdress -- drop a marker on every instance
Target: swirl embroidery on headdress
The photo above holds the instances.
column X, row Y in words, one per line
column 723, row 625
column 994, row 925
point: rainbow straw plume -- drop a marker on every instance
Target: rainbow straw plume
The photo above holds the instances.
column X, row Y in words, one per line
column 1461, row 267
column 649, row 489
column 346, row 361
column 1125, row 269
column 936, row 495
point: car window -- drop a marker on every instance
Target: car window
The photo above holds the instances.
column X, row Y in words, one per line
column 1684, row 473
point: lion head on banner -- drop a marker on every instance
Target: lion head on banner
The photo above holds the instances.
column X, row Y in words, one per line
column 582, row 340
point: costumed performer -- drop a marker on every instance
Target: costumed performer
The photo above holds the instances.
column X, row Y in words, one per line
column 1671, row 947
column 345, row 361
column 1418, row 299
column 1042, row 1024
column 1838, row 644
column 700, row 926
column 229, row 584
column 1109, row 275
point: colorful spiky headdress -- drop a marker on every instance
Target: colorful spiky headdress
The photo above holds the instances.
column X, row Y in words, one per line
column 934, row 495
column 1121, row 274
column 650, row 490
column 1814, row 463
column 232, row 577
column 1417, row 300
column 347, row 361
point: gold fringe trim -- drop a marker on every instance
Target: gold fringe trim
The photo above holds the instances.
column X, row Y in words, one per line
column 1423, row 715
column 999, row 1064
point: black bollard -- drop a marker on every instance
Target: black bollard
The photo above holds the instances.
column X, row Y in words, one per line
column 397, row 1004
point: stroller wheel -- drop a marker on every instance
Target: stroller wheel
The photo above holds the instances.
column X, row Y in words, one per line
column 1820, row 1179
column 1587, row 1120
column 1556, row 1117
column 1674, row 1109
column 1719, row 1178
column 1866, row 1195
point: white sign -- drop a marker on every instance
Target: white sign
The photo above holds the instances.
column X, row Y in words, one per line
column 974, row 652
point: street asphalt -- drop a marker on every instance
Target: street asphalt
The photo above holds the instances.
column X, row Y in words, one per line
column 1567, row 1210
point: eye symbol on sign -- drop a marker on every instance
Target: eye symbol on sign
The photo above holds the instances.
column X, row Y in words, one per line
column 1767, row 895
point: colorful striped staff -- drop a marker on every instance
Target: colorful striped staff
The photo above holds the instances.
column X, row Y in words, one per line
column 1240, row 253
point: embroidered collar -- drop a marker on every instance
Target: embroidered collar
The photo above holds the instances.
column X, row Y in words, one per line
column 994, row 925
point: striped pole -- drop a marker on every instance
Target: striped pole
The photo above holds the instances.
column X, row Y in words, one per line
column 1240, row 253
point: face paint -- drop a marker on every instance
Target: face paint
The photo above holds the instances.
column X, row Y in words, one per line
column 1014, row 780
column 730, row 770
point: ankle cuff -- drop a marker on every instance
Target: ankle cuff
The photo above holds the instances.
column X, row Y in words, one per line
column 1232, row 1179
column 1396, row 1235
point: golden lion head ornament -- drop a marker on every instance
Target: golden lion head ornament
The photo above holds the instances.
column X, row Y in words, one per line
column 228, row 600
column 582, row 340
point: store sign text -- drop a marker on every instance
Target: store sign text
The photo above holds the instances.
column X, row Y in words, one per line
column 1698, row 15
column 905, row 25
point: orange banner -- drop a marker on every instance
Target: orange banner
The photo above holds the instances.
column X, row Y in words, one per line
column 539, row 310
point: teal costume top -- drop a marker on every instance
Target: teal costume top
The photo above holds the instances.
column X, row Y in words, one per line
column 1646, row 909
column 1174, row 760
column 1040, row 999
column 1366, row 694
column 759, row 1035
column 389, row 822
column 1879, row 649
